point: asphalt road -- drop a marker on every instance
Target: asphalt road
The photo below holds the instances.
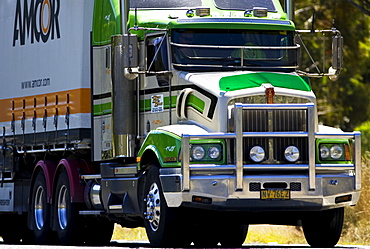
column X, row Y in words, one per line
column 144, row 244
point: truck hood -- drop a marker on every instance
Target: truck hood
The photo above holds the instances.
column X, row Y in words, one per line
column 233, row 81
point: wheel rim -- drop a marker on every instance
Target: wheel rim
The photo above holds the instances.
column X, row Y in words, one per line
column 153, row 207
column 39, row 208
column 62, row 207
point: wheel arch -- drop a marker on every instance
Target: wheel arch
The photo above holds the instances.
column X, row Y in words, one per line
column 74, row 169
column 49, row 169
column 149, row 158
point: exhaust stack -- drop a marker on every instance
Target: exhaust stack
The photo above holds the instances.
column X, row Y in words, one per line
column 289, row 9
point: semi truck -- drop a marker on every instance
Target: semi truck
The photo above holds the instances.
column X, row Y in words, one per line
column 190, row 118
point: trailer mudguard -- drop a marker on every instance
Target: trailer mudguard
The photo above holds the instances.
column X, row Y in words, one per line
column 73, row 168
column 49, row 168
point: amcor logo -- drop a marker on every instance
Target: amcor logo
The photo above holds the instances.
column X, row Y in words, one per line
column 38, row 19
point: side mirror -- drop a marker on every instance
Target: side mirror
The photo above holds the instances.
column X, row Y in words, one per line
column 337, row 59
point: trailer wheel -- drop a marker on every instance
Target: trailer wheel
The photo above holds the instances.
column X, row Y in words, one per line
column 323, row 229
column 41, row 211
column 67, row 220
column 162, row 225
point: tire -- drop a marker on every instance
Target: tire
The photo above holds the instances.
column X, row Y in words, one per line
column 323, row 229
column 41, row 212
column 160, row 221
column 67, row 221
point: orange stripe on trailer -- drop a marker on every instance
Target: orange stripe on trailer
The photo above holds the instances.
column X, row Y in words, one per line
column 49, row 104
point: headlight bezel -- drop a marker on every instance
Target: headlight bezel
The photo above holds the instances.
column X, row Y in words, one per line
column 208, row 148
column 331, row 149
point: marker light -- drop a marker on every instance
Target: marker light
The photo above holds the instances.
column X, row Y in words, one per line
column 291, row 154
column 203, row 12
column 257, row 154
column 260, row 12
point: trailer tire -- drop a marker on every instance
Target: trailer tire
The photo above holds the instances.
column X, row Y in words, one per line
column 41, row 212
column 162, row 225
column 323, row 229
column 67, row 221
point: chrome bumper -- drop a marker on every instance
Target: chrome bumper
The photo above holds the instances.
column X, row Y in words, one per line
column 225, row 183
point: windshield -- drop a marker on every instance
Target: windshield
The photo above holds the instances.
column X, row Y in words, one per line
column 245, row 4
column 233, row 49
column 155, row 4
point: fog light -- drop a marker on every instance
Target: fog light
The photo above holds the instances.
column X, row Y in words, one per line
column 257, row 154
column 291, row 154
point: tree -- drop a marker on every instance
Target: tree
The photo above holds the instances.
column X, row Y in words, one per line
column 344, row 103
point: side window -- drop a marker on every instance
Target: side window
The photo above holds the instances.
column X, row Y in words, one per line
column 157, row 58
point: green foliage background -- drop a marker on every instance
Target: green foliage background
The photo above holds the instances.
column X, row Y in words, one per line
column 344, row 103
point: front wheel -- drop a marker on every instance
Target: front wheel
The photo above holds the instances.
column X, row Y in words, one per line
column 160, row 221
column 323, row 229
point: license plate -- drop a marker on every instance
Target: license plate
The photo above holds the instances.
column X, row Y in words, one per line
column 275, row 194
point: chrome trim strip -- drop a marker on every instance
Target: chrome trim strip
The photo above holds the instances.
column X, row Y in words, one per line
column 238, row 117
column 185, row 162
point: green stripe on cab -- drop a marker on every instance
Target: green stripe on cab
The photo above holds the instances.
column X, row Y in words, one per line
column 244, row 81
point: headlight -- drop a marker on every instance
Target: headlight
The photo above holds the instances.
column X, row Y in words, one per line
column 257, row 154
column 336, row 152
column 197, row 152
column 291, row 154
column 213, row 152
column 324, row 152
column 206, row 152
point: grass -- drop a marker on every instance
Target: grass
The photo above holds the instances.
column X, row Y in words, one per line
column 356, row 229
column 258, row 234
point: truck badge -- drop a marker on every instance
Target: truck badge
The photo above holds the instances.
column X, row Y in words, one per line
column 157, row 103
column 270, row 93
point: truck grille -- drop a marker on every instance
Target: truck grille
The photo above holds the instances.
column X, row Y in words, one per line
column 274, row 121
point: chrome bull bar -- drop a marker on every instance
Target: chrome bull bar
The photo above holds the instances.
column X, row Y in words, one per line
column 238, row 135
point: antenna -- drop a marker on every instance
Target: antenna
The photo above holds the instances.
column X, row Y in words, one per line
column 313, row 20
column 135, row 25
